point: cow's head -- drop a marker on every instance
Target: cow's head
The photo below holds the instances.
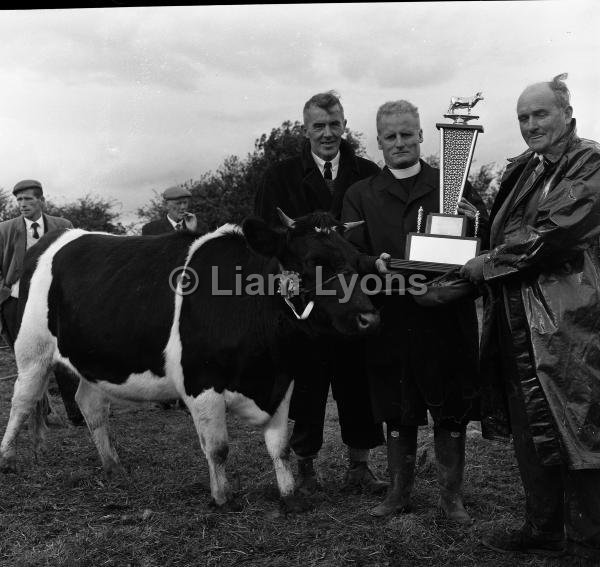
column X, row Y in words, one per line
column 313, row 247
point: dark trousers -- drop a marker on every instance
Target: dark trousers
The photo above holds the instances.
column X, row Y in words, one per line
column 556, row 498
column 67, row 384
column 348, row 380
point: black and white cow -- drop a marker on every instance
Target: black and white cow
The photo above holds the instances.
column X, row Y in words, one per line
column 104, row 307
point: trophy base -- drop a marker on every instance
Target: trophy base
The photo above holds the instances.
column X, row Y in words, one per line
column 441, row 249
column 414, row 266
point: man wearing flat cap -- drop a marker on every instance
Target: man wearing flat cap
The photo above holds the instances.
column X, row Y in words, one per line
column 16, row 237
column 178, row 217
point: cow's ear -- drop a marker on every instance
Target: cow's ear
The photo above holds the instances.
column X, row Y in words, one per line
column 263, row 239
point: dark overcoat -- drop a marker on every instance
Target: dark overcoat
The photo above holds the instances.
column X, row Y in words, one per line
column 543, row 282
column 160, row 226
column 296, row 185
column 424, row 357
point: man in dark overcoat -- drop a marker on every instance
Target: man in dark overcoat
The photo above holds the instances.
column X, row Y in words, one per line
column 426, row 358
column 177, row 202
column 317, row 180
column 540, row 343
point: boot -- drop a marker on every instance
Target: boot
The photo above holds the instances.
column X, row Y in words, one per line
column 308, row 482
column 359, row 477
column 450, row 457
column 401, row 454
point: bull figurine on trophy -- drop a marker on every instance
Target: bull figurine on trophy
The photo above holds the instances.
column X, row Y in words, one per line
column 444, row 244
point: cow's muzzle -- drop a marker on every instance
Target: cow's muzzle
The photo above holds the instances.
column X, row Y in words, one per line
column 367, row 322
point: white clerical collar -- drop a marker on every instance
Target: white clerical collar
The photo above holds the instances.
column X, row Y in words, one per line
column 407, row 171
column 335, row 162
column 29, row 222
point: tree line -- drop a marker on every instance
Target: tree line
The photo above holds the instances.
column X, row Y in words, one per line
column 224, row 195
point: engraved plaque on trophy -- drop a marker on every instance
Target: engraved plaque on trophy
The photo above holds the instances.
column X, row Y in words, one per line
column 444, row 244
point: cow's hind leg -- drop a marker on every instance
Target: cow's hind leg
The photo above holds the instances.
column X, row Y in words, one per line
column 208, row 413
column 95, row 408
column 30, row 387
column 276, row 440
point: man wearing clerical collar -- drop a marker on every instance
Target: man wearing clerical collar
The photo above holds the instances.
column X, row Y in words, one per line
column 316, row 179
column 425, row 359
column 16, row 236
column 540, row 356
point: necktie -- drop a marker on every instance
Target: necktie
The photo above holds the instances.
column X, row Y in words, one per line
column 327, row 170
column 35, row 226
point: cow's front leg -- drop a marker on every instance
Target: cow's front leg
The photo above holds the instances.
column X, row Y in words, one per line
column 95, row 408
column 208, row 413
column 276, row 440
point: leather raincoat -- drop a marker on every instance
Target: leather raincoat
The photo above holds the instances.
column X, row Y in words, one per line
column 543, row 277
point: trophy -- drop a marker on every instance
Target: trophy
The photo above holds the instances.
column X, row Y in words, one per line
column 444, row 244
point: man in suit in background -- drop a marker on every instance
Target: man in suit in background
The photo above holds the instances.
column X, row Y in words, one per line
column 16, row 237
column 178, row 217
column 317, row 179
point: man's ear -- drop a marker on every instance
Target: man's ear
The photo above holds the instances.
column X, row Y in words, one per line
column 569, row 112
column 262, row 239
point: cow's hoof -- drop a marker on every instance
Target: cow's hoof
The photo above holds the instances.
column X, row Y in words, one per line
column 295, row 504
column 116, row 474
column 232, row 505
column 8, row 465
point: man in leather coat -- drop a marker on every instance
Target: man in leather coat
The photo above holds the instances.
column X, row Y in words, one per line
column 540, row 345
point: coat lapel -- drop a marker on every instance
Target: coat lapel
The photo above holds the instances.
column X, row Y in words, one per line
column 385, row 181
column 502, row 203
column 427, row 181
column 20, row 237
column 317, row 193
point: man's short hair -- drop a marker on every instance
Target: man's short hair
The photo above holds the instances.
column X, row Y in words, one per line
column 396, row 107
column 560, row 90
column 29, row 184
column 327, row 101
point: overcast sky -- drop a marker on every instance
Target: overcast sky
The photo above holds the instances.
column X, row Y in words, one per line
column 123, row 101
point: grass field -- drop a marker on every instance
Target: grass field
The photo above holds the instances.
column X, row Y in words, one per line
column 61, row 512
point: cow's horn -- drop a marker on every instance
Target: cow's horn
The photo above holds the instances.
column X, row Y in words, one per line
column 287, row 221
column 350, row 225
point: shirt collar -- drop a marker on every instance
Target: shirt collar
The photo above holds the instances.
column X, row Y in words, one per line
column 407, row 171
column 173, row 223
column 321, row 162
column 28, row 222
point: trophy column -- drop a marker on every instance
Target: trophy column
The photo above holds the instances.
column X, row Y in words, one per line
column 457, row 144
